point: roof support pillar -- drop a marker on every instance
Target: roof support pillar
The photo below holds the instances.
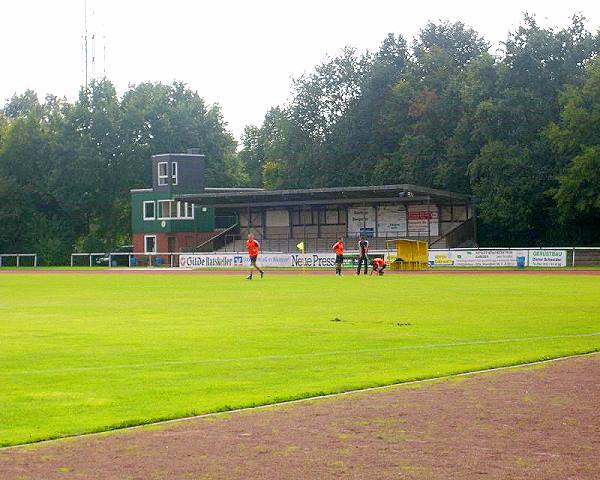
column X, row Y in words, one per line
column 428, row 222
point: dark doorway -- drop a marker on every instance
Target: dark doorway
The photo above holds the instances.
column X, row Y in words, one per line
column 171, row 244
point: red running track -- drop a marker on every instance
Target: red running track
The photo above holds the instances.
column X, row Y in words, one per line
column 350, row 273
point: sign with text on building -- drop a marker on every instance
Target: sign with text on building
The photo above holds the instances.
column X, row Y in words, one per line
column 391, row 220
column 359, row 219
column 422, row 220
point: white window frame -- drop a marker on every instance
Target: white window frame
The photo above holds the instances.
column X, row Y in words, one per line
column 174, row 171
column 163, row 179
column 182, row 208
column 178, row 213
column 154, row 209
column 159, row 210
column 146, row 237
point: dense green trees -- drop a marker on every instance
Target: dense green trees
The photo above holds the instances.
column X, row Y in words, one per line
column 576, row 141
column 447, row 113
column 66, row 168
column 518, row 128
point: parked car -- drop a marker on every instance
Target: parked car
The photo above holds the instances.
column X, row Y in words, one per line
column 117, row 260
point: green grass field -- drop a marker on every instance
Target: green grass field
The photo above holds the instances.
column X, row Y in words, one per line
column 91, row 352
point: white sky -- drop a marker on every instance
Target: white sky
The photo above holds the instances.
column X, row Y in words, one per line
column 241, row 54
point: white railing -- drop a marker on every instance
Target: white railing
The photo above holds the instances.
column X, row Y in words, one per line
column 90, row 255
column 152, row 259
column 18, row 257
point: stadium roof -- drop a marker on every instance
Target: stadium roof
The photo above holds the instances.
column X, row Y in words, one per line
column 404, row 193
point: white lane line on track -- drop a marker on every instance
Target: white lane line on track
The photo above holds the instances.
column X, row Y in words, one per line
column 303, row 400
column 293, row 355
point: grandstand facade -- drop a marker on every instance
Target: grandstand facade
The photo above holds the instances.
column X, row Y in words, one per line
column 190, row 217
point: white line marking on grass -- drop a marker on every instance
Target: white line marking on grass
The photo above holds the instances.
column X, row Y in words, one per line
column 294, row 355
column 306, row 399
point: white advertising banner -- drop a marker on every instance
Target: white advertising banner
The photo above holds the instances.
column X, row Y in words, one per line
column 547, row 258
column 230, row 260
column 487, row 258
column 361, row 220
column 312, row 260
column 391, row 220
column 440, row 258
column 422, row 220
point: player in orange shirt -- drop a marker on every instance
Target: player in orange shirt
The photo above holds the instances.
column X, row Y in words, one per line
column 253, row 250
column 378, row 265
column 338, row 248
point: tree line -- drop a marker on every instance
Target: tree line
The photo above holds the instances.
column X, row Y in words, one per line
column 518, row 128
column 66, row 168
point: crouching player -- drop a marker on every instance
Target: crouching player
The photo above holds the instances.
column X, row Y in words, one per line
column 378, row 265
column 253, row 250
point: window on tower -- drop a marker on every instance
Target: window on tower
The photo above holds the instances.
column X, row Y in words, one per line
column 163, row 174
column 173, row 173
column 149, row 210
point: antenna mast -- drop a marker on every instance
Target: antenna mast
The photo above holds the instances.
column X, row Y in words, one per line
column 94, row 56
column 104, row 59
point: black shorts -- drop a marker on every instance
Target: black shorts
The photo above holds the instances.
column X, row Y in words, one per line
column 253, row 259
column 339, row 259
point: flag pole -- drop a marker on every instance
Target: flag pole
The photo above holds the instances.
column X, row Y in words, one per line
column 303, row 260
column 300, row 247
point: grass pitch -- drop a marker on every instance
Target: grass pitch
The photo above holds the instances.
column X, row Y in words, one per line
column 92, row 352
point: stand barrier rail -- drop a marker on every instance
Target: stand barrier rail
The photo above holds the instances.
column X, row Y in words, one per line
column 575, row 256
column 128, row 259
column 17, row 257
column 579, row 256
column 91, row 256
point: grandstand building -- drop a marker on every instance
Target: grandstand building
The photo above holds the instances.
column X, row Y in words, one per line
column 180, row 214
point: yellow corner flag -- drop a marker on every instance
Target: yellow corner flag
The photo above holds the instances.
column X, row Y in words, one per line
column 300, row 246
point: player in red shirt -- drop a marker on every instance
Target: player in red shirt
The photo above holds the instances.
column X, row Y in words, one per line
column 338, row 248
column 378, row 265
column 253, row 250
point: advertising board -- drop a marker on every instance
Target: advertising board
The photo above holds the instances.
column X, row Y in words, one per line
column 497, row 258
column 547, row 258
column 232, row 260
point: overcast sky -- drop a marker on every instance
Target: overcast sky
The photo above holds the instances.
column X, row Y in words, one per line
column 241, row 54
